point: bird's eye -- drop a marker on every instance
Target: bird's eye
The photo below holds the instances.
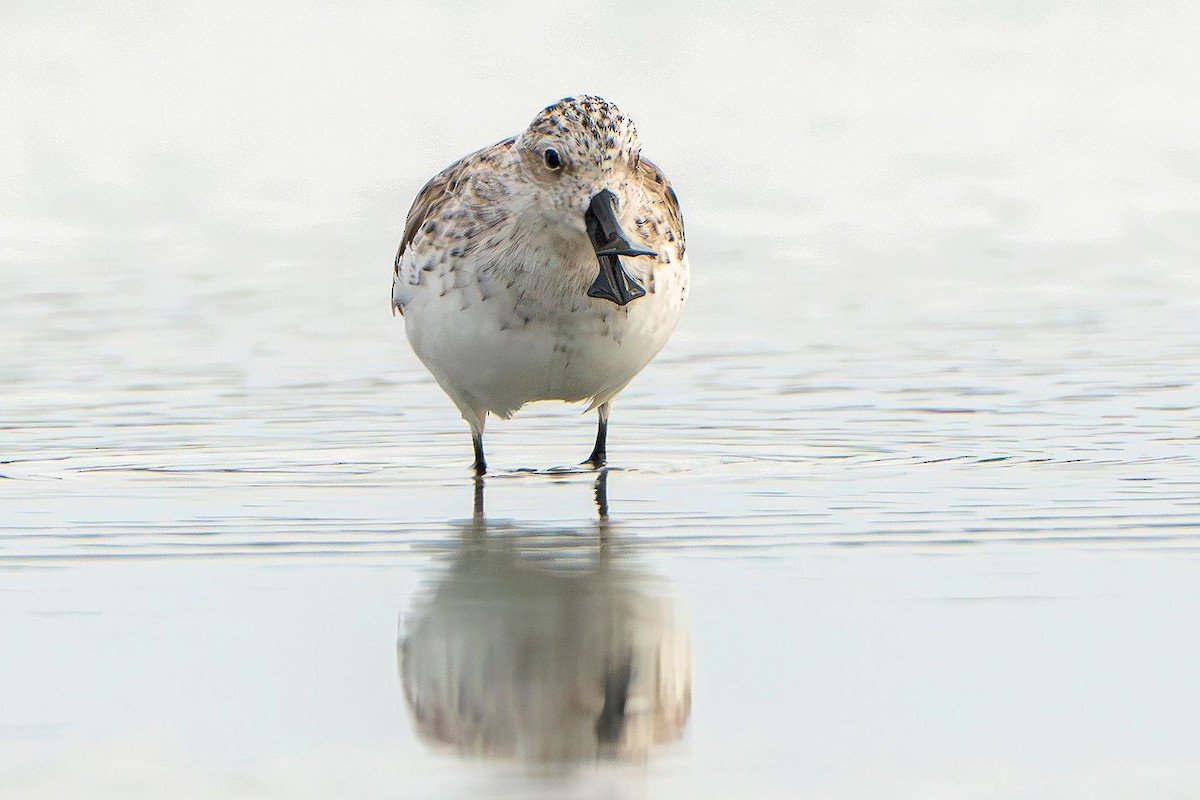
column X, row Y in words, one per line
column 553, row 161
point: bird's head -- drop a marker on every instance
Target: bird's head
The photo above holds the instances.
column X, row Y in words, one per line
column 582, row 155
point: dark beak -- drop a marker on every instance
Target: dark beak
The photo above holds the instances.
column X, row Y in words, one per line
column 610, row 241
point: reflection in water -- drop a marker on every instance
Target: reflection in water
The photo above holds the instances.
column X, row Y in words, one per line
column 546, row 647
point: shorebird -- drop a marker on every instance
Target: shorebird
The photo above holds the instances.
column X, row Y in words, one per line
column 549, row 266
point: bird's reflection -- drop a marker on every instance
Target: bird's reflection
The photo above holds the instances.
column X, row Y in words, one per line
column 546, row 647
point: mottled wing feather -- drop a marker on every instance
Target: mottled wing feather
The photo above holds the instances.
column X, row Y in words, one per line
column 659, row 189
column 433, row 195
column 431, row 200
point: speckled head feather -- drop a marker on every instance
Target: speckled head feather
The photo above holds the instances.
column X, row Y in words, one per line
column 584, row 130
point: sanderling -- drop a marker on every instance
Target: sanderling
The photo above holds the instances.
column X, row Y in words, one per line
column 549, row 266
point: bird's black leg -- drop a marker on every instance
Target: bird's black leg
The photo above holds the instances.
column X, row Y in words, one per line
column 596, row 459
column 480, row 464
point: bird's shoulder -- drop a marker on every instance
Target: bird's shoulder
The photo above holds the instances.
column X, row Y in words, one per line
column 666, row 219
column 469, row 182
column 449, row 214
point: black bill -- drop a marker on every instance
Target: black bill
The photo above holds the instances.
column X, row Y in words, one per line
column 610, row 241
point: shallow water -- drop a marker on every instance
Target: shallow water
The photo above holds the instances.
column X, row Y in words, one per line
column 909, row 507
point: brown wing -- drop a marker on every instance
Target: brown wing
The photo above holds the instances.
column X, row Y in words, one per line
column 461, row 188
column 429, row 202
column 435, row 194
column 659, row 189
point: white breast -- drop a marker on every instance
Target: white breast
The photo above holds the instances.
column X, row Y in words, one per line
column 498, row 337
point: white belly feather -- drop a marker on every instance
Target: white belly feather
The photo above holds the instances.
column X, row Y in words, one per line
column 502, row 339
